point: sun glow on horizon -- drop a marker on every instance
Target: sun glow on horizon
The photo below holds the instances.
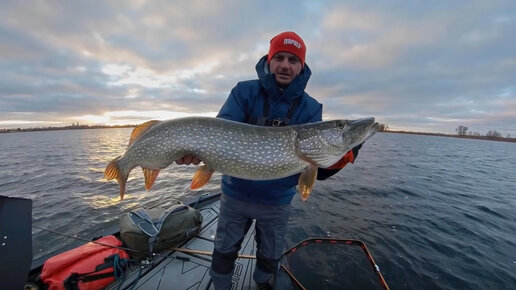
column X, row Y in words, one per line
column 112, row 118
column 93, row 119
column 135, row 117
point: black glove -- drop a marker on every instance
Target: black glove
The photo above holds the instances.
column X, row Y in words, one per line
column 324, row 173
column 355, row 151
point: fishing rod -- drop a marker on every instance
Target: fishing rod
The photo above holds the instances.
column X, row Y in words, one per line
column 206, row 253
column 85, row 240
column 182, row 250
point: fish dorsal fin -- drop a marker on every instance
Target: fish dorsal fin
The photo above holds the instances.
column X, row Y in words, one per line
column 141, row 129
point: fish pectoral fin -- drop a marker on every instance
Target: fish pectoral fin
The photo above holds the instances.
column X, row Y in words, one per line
column 201, row 177
column 150, row 176
column 324, row 160
column 307, row 181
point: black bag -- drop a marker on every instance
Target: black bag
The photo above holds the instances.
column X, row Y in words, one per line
column 157, row 229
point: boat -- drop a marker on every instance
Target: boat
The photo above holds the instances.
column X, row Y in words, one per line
column 315, row 263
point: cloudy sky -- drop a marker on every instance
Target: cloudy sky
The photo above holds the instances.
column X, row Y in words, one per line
column 426, row 66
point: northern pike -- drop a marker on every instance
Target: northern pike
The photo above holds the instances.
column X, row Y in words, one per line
column 239, row 149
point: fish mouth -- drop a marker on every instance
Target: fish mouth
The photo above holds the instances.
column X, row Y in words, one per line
column 367, row 126
column 364, row 122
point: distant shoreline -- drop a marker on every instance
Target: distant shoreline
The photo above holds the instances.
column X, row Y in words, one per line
column 80, row 127
column 513, row 140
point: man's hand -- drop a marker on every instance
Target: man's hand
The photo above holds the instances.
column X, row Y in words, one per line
column 188, row 159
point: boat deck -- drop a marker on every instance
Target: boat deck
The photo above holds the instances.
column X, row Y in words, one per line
column 315, row 263
column 180, row 270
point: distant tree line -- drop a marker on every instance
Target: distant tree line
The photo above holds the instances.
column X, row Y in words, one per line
column 72, row 127
column 463, row 131
column 383, row 127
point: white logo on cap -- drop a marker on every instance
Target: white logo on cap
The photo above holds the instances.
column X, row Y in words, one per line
column 292, row 42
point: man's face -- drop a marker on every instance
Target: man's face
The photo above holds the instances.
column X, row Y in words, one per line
column 285, row 66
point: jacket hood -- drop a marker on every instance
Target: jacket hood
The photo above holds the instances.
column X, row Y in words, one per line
column 295, row 89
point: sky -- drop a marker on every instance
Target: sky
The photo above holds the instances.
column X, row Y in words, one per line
column 426, row 66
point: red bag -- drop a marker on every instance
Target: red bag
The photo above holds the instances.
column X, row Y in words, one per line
column 83, row 260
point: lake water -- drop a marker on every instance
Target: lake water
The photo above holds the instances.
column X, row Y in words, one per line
column 435, row 212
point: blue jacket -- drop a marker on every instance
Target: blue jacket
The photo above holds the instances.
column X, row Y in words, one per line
column 247, row 100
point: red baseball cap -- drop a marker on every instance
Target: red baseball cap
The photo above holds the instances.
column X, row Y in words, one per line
column 287, row 41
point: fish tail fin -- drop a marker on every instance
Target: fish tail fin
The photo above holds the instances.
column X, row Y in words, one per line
column 113, row 172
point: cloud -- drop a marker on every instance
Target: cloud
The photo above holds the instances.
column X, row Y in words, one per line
column 429, row 66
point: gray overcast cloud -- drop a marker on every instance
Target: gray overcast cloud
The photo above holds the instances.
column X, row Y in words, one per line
column 425, row 66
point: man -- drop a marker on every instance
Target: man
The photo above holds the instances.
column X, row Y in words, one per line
column 276, row 98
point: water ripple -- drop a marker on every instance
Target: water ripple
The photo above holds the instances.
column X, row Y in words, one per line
column 436, row 213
